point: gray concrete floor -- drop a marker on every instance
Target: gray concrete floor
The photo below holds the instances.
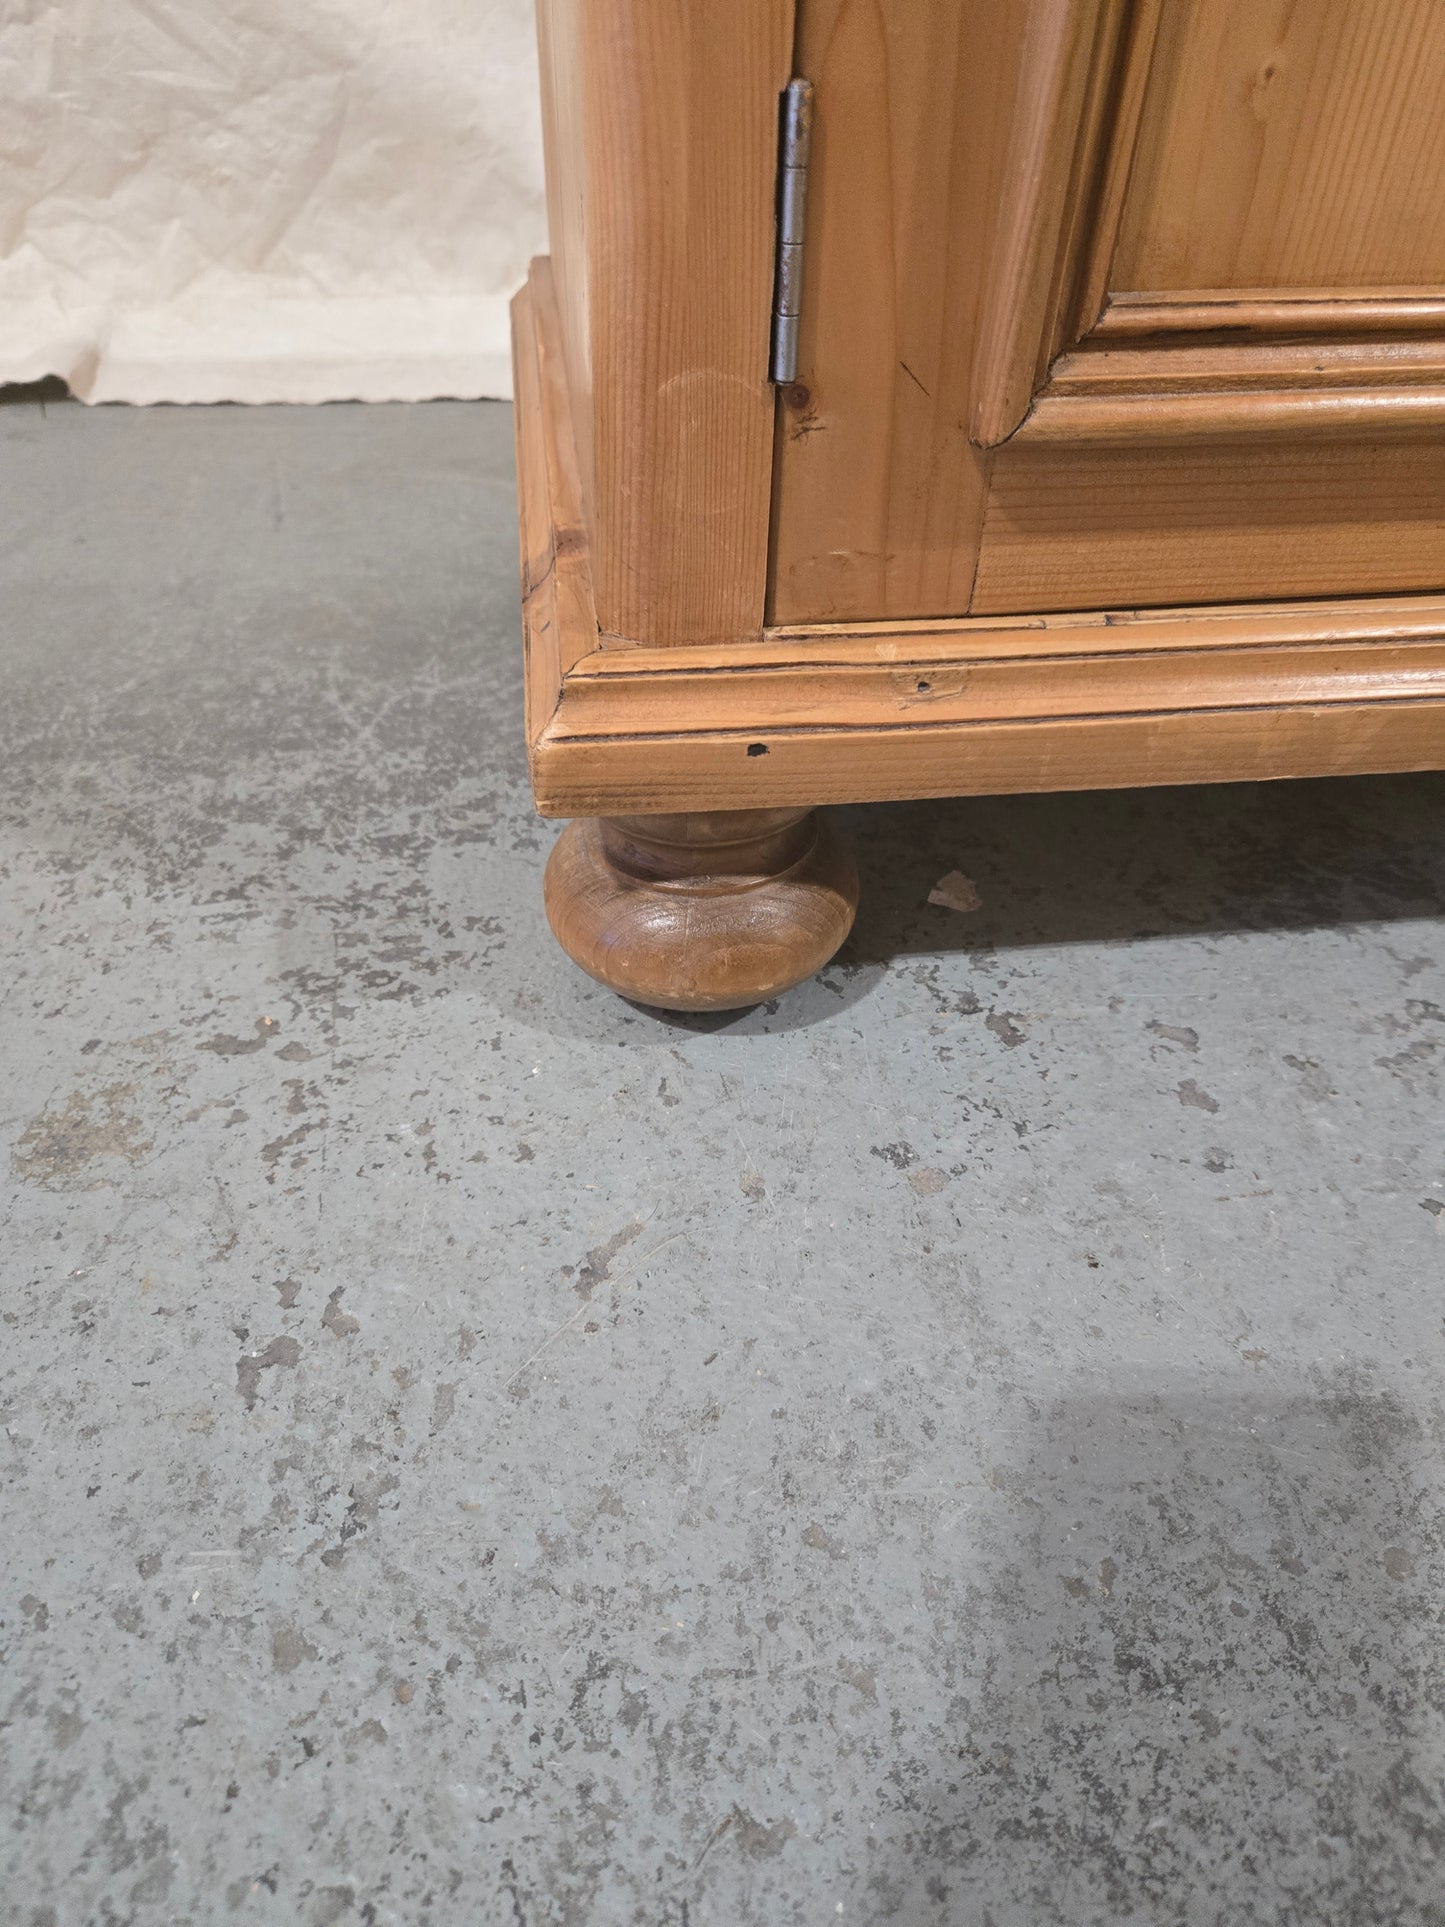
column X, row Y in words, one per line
column 962, row 1445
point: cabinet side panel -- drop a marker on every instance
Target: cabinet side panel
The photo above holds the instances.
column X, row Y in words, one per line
column 662, row 156
column 559, row 48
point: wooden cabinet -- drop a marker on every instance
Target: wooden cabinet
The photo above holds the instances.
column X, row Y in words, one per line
column 1115, row 453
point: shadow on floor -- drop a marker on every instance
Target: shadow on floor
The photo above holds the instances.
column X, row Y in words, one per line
column 1121, row 866
column 1203, row 1681
column 19, row 394
column 1129, row 865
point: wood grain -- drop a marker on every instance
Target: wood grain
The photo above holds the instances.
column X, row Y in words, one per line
column 1234, row 200
column 1298, row 137
column 661, row 131
column 1178, row 522
column 1339, row 314
column 1380, row 363
column 857, row 711
column 1289, row 145
column 1136, row 420
column 1068, row 55
column 1258, row 397
column 806, row 647
column 560, row 64
column 1107, row 303
column 624, row 773
column 701, row 911
column 559, row 619
column 1224, row 387
column 879, row 494
column 980, row 691
column 1136, row 43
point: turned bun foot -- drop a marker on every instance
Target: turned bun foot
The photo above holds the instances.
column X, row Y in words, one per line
column 702, row 912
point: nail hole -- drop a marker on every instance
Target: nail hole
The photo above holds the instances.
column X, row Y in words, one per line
column 924, row 686
column 757, row 749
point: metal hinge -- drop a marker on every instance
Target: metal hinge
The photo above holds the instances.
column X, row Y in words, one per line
column 793, row 146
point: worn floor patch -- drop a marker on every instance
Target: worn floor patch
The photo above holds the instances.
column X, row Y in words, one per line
column 67, row 1141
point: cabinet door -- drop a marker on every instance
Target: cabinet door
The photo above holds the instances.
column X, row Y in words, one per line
column 1116, row 302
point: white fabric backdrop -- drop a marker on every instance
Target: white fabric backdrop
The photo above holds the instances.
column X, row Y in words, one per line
column 265, row 200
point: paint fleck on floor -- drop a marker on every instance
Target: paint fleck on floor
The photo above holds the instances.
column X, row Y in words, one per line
column 961, row 1445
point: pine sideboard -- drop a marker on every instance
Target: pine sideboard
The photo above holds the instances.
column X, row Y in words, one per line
column 942, row 397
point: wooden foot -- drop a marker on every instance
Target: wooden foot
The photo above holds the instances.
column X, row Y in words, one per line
column 703, row 912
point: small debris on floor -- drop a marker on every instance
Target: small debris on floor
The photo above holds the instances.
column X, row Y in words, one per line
column 956, row 892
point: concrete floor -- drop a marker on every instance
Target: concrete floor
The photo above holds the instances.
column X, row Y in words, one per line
column 963, row 1445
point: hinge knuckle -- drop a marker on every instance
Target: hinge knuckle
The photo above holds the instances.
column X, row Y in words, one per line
column 794, row 146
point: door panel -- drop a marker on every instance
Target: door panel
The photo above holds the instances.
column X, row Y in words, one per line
column 1289, row 146
column 1084, row 528
column 878, row 491
column 1183, row 337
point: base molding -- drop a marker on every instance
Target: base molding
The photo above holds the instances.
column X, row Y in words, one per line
column 972, row 706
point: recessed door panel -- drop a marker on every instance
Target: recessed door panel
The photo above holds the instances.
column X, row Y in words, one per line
column 1289, row 146
column 1146, row 306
